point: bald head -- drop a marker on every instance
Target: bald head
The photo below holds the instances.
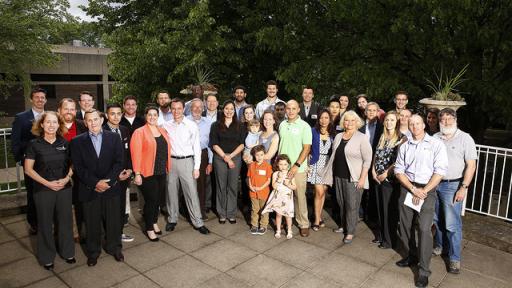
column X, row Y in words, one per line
column 417, row 126
column 292, row 110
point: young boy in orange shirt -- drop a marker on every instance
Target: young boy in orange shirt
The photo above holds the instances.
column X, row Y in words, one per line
column 259, row 175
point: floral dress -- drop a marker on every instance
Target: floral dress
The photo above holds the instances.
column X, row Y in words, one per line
column 280, row 199
column 314, row 176
column 385, row 157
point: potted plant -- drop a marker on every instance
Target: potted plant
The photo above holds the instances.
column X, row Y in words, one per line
column 203, row 77
column 445, row 94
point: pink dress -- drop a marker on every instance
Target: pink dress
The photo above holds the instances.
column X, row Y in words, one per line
column 280, row 200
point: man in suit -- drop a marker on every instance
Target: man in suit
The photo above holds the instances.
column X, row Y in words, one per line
column 373, row 129
column 98, row 161
column 130, row 119
column 21, row 135
column 309, row 109
column 114, row 115
column 86, row 102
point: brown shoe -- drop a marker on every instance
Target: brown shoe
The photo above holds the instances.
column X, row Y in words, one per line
column 304, row 232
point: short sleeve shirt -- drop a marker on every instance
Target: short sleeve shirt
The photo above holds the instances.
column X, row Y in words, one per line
column 258, row 175
column 51, row 160
column 460, row 148
column 292, row 136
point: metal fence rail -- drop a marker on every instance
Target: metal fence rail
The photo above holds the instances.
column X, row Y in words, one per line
column 10, row 172
column 490, row 191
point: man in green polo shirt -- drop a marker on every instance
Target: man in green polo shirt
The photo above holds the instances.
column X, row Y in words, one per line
column 295, row 141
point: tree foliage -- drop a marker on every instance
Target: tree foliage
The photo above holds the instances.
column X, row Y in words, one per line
column 354, row 46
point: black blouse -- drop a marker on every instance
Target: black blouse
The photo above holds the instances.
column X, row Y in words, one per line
column 228, row 139
column 51, row 160
column 340, row 161
column 161, row 156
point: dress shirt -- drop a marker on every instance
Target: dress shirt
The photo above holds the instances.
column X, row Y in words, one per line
column 115, row 130
column 238, row 108
column 307, row 108
column 204, row 134
column 36, row 114
column 97, row 139
column 211, row 116
column 163, row 117
column 185, row 139
column 370, row 130
column 419, row 160
column 265, row 104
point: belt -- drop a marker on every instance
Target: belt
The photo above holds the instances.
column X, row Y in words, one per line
column 182, row 157
column 418, row 184
column 452, row 180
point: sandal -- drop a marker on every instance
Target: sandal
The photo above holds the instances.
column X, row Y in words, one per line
column 322, row 223
column 289, row 235
column 315, row 227
column 278, row 234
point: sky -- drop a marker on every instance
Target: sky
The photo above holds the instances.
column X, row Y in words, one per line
column 75, row 11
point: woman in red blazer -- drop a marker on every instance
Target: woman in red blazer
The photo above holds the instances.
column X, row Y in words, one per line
column 151, row 161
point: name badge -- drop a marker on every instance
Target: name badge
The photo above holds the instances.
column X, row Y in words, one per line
column 262, row 172
column 61, row 148
column 125, row 145
column 314, row 116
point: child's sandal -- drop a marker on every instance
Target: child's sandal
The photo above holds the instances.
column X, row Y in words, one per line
column 289, row 235
column 278, row 234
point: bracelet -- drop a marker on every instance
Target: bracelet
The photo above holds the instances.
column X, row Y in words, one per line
column 296, row 164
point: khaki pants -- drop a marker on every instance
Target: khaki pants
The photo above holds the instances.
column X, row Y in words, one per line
column 301, row 205
column 257, row 207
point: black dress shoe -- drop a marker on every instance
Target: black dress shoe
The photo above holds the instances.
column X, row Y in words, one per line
column 421, row 282
column 48, row 267
column 406, row 262
column 203, row 230
column 119, row 256
column 71, row 260
column 222, row 221
column 384, row 246
column 92, row 261
column 32, row 230
column 170, row 227
column 151, row 239
column 232, row 221
column 160, row 232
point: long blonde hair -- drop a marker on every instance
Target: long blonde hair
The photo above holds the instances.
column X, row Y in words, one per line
column 395, row 137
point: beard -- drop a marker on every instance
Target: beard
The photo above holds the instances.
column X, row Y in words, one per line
column 448, row 130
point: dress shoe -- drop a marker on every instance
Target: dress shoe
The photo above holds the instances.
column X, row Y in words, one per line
column 32, row 230
column 348, row 241
column 159, row 232
column 119, row 256
column 384, row 246
column 71, row 260
column 92, row 261
column 203, row 230
column 421, row 282
column 304, row 232
column 170, row 227
column 232, row 221
column 48, row 267
column 222, row 220
column 151, row 239
column 406, row 262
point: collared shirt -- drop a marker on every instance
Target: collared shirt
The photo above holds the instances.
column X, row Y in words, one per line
column 370, row 130
column 36, row 114
column 460, row 148
column 419, row 160
column 266, row 104
column 204, row 134
column 238, row 108
column 97, row 139
column 163, row 117
column 115, row 130
column 293, row 135
column 211, row 116
column 307, row 108
column 184, row 137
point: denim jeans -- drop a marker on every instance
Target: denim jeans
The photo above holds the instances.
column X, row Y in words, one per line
column 448, row 220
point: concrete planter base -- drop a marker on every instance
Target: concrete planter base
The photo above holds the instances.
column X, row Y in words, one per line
column 430, row 103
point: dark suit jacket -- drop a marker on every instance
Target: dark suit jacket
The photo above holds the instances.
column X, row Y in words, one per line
column 90, row 168
column 313, row 110
column 21, row 135
column 137, row 123
column 378, row 132
column 79, row 114
column 125, row 140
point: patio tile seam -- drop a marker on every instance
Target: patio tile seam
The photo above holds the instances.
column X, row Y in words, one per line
column 485, row 275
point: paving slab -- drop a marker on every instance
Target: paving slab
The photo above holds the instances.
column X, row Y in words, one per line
column 224, row 254
column 18, row 229
column 227, row 229
column 5, row 236
column 106, row 273
column 264, row 271
column 363, row 249
column 150, row 255
column 22, row 272
column 182, row 272
column 222, row 280
column 259, row 243
column 468, row 279
column 13, row 251
column 309, row 280
column 138, row 281
column 297, row 253
column 52, row 282
column 324, row 238
column 189, row 240
column 13, row 219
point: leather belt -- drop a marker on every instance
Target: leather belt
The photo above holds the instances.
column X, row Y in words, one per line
column 182, row 157
column 452, row 180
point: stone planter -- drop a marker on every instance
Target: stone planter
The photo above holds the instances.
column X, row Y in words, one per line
column 439, row 104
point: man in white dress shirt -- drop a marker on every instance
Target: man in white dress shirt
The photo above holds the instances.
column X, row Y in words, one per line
column 270, row 101
column 186, row 160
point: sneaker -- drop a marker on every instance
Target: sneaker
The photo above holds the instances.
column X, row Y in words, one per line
column 262, row 231
column 454, row 267
column 126, row 238
column 289, row 235
column 338, row 230
column 254, row 230
column 437, row 251
column 278, row 234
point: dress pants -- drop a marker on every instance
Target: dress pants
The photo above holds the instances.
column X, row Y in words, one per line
column 122, row 199
column 181, row 173
column 31, row 207
column 102, row 210
column 227, row 186
column 387, row 209
column 152, row 187
column 300, row 200
column 349, row 200
column 54, row 205
column 201, row 181
column 425, row 217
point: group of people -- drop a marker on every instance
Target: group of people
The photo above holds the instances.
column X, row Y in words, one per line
column 269, row 155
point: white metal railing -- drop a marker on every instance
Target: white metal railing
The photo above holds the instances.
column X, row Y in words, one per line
column 10, row 172
column 490, row 191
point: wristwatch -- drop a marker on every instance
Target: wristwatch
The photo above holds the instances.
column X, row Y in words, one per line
column 465, row 186
column 296, row 164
